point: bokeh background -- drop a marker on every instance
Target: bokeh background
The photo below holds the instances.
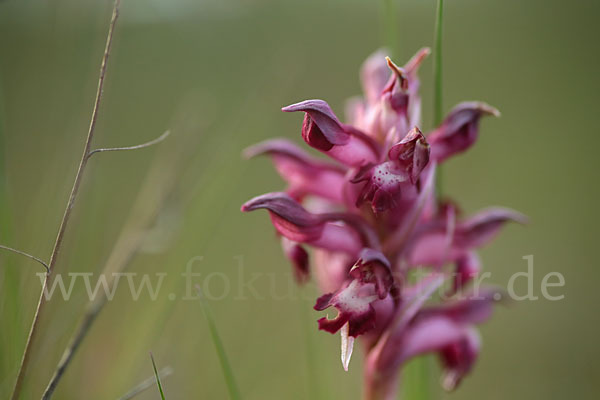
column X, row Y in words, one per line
column 216, row 72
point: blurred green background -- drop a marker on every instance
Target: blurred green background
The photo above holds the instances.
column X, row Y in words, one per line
column 217, row 72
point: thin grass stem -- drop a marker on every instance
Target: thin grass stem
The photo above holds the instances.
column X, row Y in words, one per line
column 68, row 209
column 146, row 384
column 157, row 378
column 390, row 26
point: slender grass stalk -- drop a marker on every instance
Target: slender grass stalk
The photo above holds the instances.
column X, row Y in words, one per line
column 68, row 209
column 157, row 377
column 146, row 384
column 390, row 26
column 234, row 393
column 159, row 184
column 437, row 80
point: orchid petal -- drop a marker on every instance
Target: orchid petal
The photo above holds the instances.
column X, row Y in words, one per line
column 383, row 187
column 473, row 308
column 374, row 75
column 413, row 65
column 409, row 219
column 373, row 267
column 299, row 258
column 457, row 344
column 414, row 298
column 297, row 224
column 396, row 91
column 331, row 269
column 430, row 246
column 354, row 307
column 467, row 268
column 322, row 130
column 411, row 153
column 483, row 227
column 288, row 216
column 355, row 111
column 388, row 181
column 458, row 359
column 459, row 130
column 304, row 173
column 372, row 281
column 347, row 345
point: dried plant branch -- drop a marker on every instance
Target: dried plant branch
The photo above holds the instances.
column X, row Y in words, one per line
column 146, row 384
column 69, row 207
column 26, row 255
column 136, row 147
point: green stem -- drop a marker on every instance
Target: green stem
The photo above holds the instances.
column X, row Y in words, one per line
column 437, row 78
column 390, row 27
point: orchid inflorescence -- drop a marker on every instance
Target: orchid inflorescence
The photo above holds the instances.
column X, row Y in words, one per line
column 373, row 219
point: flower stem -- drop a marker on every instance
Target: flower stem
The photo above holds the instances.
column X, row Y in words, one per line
column 417, row 375
column 437, row 78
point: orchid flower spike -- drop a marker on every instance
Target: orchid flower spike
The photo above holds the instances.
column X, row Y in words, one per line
column 369, row 217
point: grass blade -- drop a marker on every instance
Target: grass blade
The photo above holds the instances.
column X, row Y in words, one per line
column 390, row 27
column 160, row 389
column 234, row 393
column 146, row 384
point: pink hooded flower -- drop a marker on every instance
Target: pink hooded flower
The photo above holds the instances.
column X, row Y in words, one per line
column 386, row 182
column 378, row 222
column 370, row 279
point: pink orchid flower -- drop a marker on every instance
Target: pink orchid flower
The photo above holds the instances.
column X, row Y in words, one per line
column 377, row 221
